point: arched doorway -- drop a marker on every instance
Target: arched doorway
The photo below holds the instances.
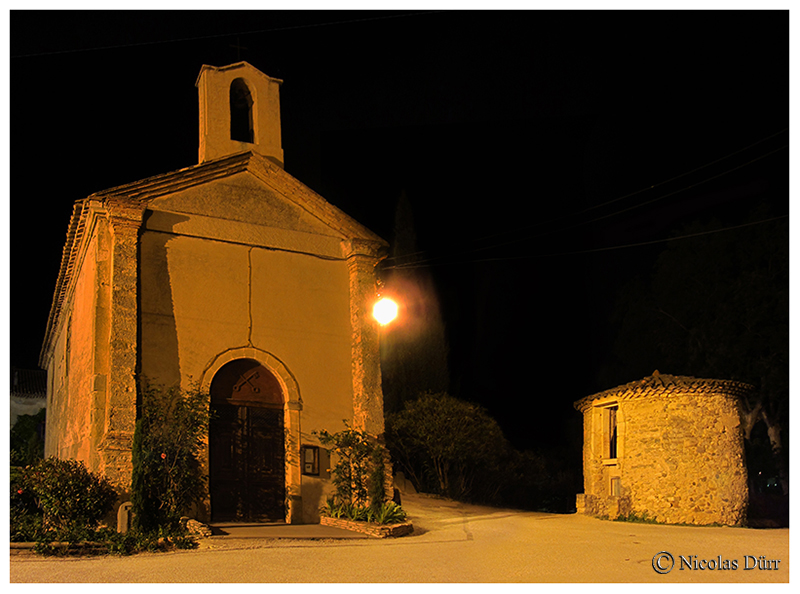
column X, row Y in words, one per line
column 247, row 477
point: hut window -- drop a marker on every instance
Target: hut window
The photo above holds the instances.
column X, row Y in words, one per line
column 611, row 432
column 241, row 111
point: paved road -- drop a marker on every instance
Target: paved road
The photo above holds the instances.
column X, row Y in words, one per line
column 452, row 543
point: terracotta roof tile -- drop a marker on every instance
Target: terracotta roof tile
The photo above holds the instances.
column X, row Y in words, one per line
column 663, row 384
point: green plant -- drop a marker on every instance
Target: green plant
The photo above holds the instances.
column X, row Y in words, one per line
column 358, row 476
column 638, row 518
column 68, row 496
column 167, row 478
column 354, row 475
column 108, row 541
column 388, row 513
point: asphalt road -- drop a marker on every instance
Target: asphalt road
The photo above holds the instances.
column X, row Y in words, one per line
column 452, row 543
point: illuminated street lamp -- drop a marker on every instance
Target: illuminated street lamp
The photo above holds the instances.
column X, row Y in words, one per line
column 384, row 310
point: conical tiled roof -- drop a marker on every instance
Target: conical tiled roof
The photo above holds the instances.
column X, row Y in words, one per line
column 665, row 384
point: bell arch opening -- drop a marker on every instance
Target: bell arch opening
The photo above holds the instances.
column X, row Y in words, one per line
column 241, row 102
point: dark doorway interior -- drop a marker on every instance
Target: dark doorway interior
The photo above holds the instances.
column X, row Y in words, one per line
column 246, row 444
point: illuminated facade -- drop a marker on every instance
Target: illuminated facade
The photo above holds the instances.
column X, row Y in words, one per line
column 666, row 448
column 231, row 274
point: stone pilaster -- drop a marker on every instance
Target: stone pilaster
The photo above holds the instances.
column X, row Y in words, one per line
column 120, row 381
column 362, row 258
column 100, row 338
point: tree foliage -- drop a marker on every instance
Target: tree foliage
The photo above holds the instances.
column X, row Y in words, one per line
column 716, row 306
column 450, row 447
column 444, row 444
column 27, row 443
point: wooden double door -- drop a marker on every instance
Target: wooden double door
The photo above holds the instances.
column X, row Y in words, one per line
column 247, row 477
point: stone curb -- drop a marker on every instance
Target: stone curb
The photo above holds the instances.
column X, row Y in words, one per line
column 27, row 548
column 368, row 528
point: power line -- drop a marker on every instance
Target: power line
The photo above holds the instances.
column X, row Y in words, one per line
column 218, row 35
column 709, row 164
column 593, row 250
column 596, row 206
column 580, row 224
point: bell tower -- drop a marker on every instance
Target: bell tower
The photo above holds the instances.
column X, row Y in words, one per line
column 240, row 111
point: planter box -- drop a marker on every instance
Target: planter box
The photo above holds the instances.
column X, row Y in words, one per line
column 375, row 530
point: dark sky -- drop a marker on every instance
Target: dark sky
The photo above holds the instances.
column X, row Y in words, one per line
column 501, row 129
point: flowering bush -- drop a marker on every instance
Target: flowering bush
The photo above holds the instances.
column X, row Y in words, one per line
column 167, row 478
column 57, row 497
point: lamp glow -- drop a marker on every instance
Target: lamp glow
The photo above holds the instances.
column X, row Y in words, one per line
column 385, row 310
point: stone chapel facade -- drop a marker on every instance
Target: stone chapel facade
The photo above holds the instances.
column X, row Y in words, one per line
column 669, row 448
column 230, row 274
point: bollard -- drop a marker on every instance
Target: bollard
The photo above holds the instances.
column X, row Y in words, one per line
column 124, row 517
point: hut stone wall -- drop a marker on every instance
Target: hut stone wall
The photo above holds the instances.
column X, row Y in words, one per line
column 678, row 456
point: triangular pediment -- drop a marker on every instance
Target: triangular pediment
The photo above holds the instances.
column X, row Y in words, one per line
column 245, row 188
column 245, row 198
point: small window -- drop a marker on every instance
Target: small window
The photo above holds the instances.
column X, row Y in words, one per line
column 612, row 432
column 310, row 457
column 615, row 486
column 241, row 111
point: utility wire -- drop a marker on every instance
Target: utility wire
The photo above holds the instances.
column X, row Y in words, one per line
column 596, row 206
column 218, row 35
column 580, row 224
column 593, row 250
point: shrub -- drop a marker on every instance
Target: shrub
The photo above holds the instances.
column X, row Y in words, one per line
column 449, row 447
column 358, row 475
column 25, row 517
column 454, row 448
column 60, row 497
column 388, row 513
column 359, row 479
column 168, row 438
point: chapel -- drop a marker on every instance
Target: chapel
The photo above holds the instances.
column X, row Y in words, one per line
column 230, row 275
column 665, row 448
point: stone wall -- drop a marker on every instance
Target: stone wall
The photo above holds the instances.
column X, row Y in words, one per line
column 680, row 453
column 374, row 530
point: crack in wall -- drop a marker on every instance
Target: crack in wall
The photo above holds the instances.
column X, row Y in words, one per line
column 250, row 296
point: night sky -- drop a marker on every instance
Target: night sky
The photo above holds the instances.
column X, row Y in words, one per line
column 524, row 142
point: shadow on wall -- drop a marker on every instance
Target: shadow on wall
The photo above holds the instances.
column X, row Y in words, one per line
column 158, row 334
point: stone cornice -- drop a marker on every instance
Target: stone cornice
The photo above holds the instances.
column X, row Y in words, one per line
column 123, row 216
column 250, row 68
column 364, row 248
column 664, row 385
column 83, row 215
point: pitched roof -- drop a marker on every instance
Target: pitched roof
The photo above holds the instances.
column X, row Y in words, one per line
column 665, row 384
column 137, row 195
column 28, row 383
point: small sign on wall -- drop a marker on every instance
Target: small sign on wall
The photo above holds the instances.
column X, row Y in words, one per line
column 310, row 460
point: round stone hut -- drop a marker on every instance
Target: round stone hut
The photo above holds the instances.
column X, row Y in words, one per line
column 665, row 448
